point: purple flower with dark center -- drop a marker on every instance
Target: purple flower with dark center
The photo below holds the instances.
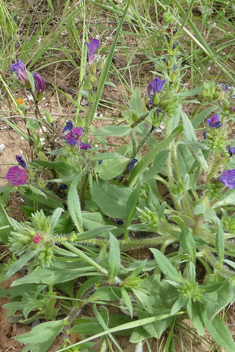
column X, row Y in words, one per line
column 39, row 85
column 94, row 44
column 131, row 165
column 17, row 176
column 21, row 161
column 214, row 122
column 68, row 126
column 21, row 73
column 231, row 150
column 228, row 178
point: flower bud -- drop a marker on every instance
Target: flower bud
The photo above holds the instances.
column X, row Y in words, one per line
column 91, row 96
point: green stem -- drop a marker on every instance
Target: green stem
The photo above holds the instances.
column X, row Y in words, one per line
column 136, row 123
column 214, row 166
column 144, row 140
column 83, row 190
column 133, row 144
column 87, row 259
column 170, row 171
column 216, row 265
column 131, row 243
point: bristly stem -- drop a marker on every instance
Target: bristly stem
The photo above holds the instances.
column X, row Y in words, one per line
column 83, row 190
column 170, row 171
column 133, row 144
column 144, row 140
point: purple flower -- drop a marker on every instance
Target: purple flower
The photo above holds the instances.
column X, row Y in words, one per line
column 231, row 150
column 155, row 87
column 82, row 145
column 68, row 126
column 17, row 176
column 22, row 75
column 228, row 178
column 39, row 85
column 63, row 186
column 21, row 161
column 232, row 108
column 204, row 134
column 214, row 122
column 131, row 165
column 73, row 137
column 95, row 43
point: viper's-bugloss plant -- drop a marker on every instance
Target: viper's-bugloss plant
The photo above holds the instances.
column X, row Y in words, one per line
column 168, row 186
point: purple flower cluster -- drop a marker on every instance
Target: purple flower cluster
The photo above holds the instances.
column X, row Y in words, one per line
column 23, row 76
column 21, row 73
column 155, row 87
column 73, row 136
column 16, row 175
column 228, row 178
column 92, row 47
column 214, row 122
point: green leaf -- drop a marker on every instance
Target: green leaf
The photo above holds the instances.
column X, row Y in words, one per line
column 41, row 333
column 32, row 125
column 111, row 168
column 114, row 258
column 111, row 199
column 104, row 156
column 166, row 267
column 195, row 316
column 20, row 263
column 148, row 158
column 37, row 191
column 5, row 228
column 226, row 201
column 55, row 217
column 135, row 102
column 180, row 303
column 116, row 131
column 202, row 116
column 189, row 93
column 60, row 166
column 74, row 206
column 158, row 164
column 219, row 332
column 191, row 138
column 126, row 299
column 188, row 244
column 132, row 202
